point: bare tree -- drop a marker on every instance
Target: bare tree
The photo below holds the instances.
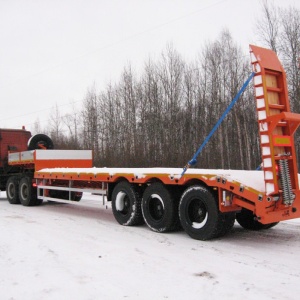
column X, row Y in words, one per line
column 268, row 26
column 170, row 73
column 90, row 128
column 56, row 128
column 290, row 46
column 36, row 127
column 71, row 121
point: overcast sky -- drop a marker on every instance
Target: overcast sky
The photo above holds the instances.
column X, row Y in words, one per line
column 52, row 51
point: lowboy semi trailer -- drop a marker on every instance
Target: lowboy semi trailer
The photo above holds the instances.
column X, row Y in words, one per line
column 205, row 203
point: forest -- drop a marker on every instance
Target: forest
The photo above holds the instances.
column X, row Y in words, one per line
column 160, row 116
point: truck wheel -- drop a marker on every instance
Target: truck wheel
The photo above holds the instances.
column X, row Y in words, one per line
column 268, row 226
column 76, row 196
column 126, row 204
column 246, row 218
column 159, row 208
column 12, row 190
column 40, row 141
column 226, row 223
column 28, row 195
column 199, row 213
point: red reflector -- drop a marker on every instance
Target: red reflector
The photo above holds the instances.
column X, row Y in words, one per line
column 277, row 169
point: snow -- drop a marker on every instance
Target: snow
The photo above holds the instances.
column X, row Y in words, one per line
column 66, row 251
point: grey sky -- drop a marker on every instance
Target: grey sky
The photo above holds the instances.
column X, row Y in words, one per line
column 52, row 51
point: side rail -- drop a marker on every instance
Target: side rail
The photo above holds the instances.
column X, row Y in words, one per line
column 66, row 193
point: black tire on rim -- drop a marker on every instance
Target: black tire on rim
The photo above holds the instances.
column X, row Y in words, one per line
column 247, row 219
column 226, row 223
column 27, row 194
column 159, row 208
column 199, row 213
column 40, row 141
column 126, row 204
column 12, row 190
column 76, row 196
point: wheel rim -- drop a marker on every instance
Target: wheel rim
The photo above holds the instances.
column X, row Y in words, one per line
column 197, row 213
column 24, row 191
column 11, row 190
column 122, row 203
column 156, row 207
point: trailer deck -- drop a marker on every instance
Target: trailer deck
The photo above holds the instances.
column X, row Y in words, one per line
column 249, row 179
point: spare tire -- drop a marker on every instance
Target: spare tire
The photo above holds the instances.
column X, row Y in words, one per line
column 40, row 141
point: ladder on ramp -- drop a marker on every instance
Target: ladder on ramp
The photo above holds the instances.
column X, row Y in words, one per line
column 277, row 126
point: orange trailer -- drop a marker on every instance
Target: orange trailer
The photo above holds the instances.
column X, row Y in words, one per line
column 205, row 203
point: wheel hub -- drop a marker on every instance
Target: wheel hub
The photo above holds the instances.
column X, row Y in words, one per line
column 156, row 208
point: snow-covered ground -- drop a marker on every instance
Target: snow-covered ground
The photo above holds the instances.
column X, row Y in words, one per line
column 78, row 251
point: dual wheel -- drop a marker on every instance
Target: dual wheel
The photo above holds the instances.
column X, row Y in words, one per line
column 156, row 206
column 200, row 216
column 197, row 211
column 20, row 190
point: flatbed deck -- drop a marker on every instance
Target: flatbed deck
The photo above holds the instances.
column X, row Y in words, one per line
column 251, row 179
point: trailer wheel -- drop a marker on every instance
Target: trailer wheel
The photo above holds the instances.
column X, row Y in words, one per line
column 271, row 225
column 12, row 190
column 40, row 141
column 199, row 214
column 76, row 196
column 226, row 223
column 247, row 219
column 28, row 195
column 159, row 208
column 126, row 204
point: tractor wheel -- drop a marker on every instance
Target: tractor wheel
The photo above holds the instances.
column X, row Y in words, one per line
column 12, row 190
column 28, row 195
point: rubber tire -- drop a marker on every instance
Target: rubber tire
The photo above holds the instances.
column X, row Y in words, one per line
column 271, row 225
column 126, row 204
column 38, row 139
column 76, row 196
column 199, row 214
column 159, row 208
column 12, row 190
column 246, row 218
column 226, row 223
column 27, row 194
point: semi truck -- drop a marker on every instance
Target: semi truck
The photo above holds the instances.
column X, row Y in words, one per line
column 204, row 202
column 18, row 140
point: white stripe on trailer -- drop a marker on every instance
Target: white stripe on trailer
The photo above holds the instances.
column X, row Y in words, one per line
column 63, row 154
